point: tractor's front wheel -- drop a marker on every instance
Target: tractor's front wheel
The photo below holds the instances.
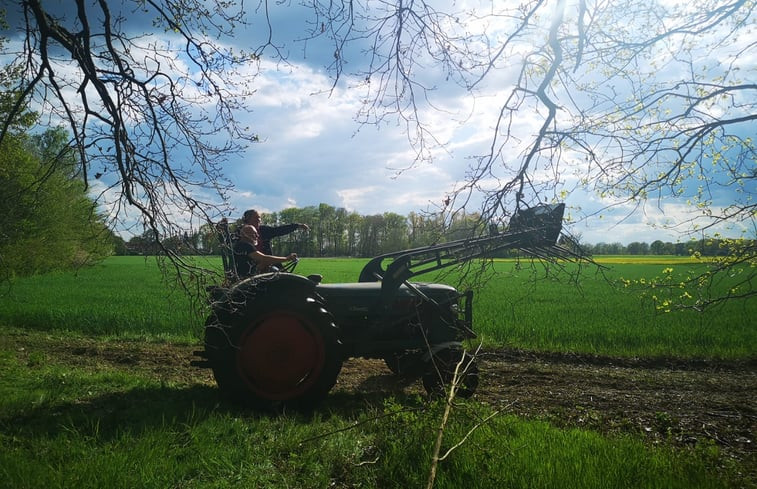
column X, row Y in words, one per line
column 280, row 352
column 440, row 373
column 404, row 363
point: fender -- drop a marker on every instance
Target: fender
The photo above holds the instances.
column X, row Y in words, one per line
column 231, row 300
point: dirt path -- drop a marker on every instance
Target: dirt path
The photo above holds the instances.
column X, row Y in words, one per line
column 683, row 403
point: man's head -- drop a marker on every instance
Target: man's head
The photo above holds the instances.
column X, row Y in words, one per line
column 251, row 216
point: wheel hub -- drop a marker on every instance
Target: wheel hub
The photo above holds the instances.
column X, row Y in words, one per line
column 280, row 356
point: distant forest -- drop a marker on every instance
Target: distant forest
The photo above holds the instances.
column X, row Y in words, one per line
column 337, row 232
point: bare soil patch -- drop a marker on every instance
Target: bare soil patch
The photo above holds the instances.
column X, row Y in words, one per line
column 684, row 403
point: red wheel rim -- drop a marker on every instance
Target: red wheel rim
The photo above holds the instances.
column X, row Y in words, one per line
column 281, row 356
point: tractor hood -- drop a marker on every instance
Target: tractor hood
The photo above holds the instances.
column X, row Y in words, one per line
column 365, row 297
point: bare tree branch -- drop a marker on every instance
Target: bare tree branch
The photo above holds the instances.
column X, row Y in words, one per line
column 136, row 107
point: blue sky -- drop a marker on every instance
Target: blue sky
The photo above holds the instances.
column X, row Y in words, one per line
column 313, row 150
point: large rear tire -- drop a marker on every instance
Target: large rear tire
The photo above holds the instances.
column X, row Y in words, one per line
column 280, row 351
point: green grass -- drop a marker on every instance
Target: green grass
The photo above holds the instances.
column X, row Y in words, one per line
column 123, row 296
column 97, row 424
column 127, row 297
column 598, row 315
column 63, row 426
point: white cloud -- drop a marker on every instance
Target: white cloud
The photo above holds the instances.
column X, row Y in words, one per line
column 611, row 222
column 356, row 198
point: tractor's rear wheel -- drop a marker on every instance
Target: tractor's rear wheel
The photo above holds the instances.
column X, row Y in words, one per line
column 280, row 352
column 440, row 373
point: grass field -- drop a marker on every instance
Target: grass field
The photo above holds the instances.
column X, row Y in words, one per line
column 598, row 315
column 127, row 297
column 138, row 433
column 103, row 425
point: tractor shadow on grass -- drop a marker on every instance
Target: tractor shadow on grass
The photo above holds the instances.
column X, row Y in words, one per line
column 107, row 416
column 142, row 409
column 353, row 397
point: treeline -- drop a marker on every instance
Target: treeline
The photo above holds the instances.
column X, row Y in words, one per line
column 704, row 247
column 337, row 232
column 333, row 232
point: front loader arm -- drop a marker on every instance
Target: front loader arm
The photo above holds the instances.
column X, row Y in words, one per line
column 534, row 230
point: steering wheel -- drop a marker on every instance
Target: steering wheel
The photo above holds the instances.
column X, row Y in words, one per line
column 290, row 265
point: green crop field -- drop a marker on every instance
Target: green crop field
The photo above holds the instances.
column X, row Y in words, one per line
column 597, row 314
column 94, row 391
column 128, row 297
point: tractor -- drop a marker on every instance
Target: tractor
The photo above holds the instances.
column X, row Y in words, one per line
column 278, row 340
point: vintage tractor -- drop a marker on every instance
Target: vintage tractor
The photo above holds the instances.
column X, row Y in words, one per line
column 278, row 340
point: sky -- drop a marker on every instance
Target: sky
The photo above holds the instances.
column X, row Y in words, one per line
column 312, row 150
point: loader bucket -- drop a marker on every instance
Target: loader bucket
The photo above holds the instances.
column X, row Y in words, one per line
column 543, row 223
